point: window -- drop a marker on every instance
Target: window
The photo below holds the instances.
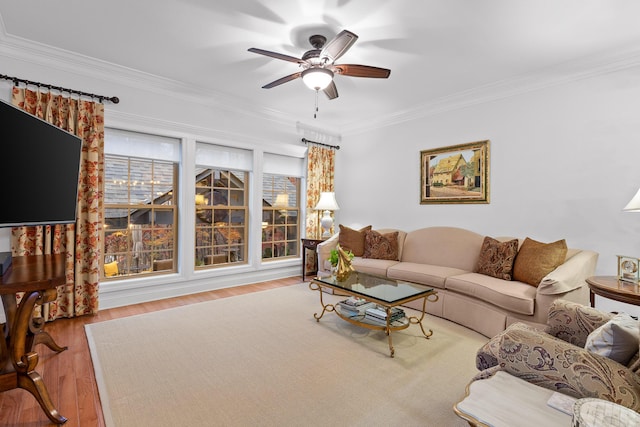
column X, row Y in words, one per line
column 140, row 225
column 221, row 205
column 280, row 216
column 221, row 217
column 281, row 206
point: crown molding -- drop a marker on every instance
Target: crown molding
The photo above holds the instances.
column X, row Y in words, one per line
column 74, row 63
column 561, row 74
column 71, row 62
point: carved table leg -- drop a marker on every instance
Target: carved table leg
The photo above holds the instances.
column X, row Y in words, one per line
column 32, row 382
column 37, row 334
column 25, row 361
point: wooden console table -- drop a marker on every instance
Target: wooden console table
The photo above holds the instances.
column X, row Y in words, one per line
column 612, row 288
column 37, row 276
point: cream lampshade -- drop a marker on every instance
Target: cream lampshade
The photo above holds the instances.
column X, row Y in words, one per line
column 634, row 204
column 327, row 203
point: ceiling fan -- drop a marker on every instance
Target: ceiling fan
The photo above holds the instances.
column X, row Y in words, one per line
column 318, row 64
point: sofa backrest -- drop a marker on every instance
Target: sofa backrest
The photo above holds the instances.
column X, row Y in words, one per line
column 444, row 246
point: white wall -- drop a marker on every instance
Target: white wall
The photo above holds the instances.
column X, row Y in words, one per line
column 564, row 162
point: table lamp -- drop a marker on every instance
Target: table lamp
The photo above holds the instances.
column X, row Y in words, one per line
column 327, row 203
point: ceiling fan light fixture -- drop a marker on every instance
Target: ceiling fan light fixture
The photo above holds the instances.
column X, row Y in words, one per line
column 317, row 78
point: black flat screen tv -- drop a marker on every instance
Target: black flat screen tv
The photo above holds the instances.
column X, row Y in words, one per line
column 39, row 172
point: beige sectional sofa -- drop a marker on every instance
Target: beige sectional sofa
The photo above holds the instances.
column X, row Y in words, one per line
column 446, row 258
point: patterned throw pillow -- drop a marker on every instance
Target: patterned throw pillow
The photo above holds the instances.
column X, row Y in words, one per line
column 617, row 339
column 496, row 258
column 381, row 246
column 352, row 240
column 535, row 260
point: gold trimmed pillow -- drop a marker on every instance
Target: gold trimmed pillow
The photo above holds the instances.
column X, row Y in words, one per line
column 352, row 240
column 381, row 246
column 535, row 260
column 496, row 258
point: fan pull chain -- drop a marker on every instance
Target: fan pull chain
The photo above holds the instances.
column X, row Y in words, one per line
column 316, row 110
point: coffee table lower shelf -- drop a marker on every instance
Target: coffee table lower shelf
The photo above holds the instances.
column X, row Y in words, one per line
column 388, row 327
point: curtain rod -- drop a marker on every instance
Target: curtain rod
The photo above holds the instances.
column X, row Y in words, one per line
column 335, row 147
column 17, row 81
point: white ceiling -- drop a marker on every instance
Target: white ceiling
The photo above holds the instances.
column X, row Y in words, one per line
column 438, row 51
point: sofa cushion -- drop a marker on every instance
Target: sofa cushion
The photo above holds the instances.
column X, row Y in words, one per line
column 372, row 266
column 424, row 274
column 513, row 296
column 617, row 339
column 381, row 246
column 352, row 240
column 535, row 260
column 496, row 258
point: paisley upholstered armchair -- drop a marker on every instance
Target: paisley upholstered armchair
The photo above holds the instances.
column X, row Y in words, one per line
column 557, row 359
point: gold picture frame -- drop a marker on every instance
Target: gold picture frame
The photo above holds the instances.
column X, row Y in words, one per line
column 455, row 174
column 628, row 268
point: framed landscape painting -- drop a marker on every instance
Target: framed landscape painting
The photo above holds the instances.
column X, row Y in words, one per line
column 455, row 174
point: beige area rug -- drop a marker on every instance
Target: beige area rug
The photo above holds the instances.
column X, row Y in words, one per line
column 261, row 359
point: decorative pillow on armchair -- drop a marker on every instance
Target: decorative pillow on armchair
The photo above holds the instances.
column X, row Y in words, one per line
column 535, row 260
column 496, row 258
column 352, row 240
column 618, row 339
column 381, row 246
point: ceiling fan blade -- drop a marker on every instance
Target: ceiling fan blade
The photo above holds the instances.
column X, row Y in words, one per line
column 354, row 70
column 282, row 80
column 337, row 47
column 331, row 91
column 276, row 55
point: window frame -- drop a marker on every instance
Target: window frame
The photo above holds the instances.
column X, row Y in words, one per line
column 270, row 228
column 128, row 255
column 222, row 235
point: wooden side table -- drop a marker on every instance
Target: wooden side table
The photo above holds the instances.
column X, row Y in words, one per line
column 309, row 244
column 612, row 288
column 37, row 276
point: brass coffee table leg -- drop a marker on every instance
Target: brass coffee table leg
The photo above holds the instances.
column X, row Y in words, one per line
column 418, row 321
column 392, row 351
column 325, row 307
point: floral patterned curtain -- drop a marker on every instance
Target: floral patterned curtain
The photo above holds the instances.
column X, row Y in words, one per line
column 80, row 241
column 320, row 168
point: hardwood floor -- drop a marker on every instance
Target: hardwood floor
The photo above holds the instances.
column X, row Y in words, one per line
column 69, row 375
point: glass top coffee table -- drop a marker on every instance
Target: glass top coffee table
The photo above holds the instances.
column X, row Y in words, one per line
column 373, row 302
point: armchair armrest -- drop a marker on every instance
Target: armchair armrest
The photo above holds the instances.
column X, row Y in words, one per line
column 569, row 275
column 554, row 364
column 323, row 250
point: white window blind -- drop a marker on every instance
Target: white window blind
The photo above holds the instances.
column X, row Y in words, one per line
column 283, row 165
column 143, row 145
column 220, row 156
